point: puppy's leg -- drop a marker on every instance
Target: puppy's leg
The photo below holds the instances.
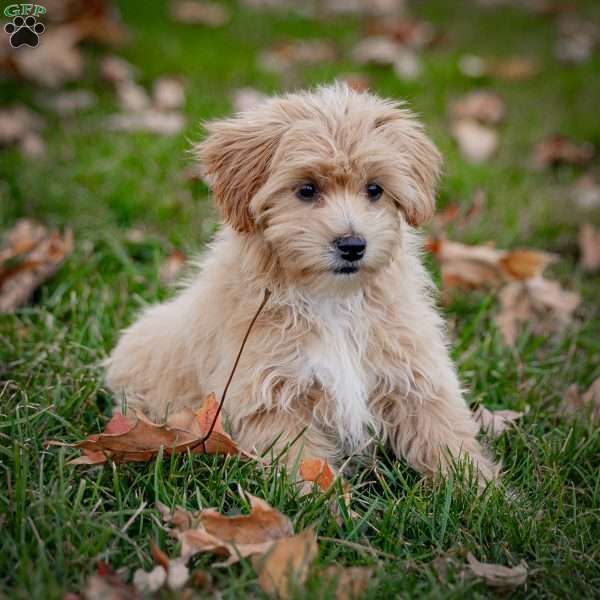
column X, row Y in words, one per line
column 431, row 430
column 152, row 366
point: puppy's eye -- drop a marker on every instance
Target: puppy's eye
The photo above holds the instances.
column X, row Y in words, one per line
column 374, row 191
column 307, row 192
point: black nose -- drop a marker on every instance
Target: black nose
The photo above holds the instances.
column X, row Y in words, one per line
column 351, row 248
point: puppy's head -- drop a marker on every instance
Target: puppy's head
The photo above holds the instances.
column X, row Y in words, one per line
column 328, row 178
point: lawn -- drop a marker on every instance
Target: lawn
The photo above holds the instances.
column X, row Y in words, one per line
column 57, row 521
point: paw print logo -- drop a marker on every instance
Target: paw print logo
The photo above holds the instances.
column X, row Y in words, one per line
column 24, row 32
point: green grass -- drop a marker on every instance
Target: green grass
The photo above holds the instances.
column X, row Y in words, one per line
column 57, row 521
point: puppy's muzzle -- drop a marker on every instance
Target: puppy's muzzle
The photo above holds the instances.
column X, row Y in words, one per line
column 350, row 248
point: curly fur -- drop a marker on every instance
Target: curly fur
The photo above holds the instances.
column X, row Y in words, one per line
column 334, row 357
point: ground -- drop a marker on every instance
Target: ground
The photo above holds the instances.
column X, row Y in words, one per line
column 58, row 520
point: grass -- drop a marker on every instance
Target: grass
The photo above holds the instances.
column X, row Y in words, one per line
column 57, row 520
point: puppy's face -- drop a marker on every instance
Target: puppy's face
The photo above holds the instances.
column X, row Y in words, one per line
column 328, row 178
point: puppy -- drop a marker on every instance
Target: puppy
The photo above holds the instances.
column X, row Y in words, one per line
column 319, row 193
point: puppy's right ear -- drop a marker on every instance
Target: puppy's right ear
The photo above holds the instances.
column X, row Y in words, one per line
column 236, row 155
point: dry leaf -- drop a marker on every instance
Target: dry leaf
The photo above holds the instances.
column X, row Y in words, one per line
column 245, row 98
column 405, row 30
column 21, row 126
column 586, row 192
column 172, row 267
column 57, row 60
column 577, row 40
column 318, row 471
column 168, row 93
column 30, row 256
column 377, row 50
column 515, row 68
column 148, row 121
column 537, row 302
column 150, row 581
column 477, row 143
column 589, row 244
column 136, row 439
column 285, row 567
column 108, row 585
column 71, row 101
column 480, row 105
column 558, row 149
column 574, row 403
column 115, row 70
column 460, row 214
column 132, row 97
column 499, row 576
column 284, row 55
column 233, row 537
column 496, row 422
column 350, row 582
column 356, row 81
column 471, row 266
column 210, row 14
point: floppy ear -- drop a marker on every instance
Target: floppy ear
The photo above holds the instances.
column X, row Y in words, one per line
column 235, row 157
column 421, row 163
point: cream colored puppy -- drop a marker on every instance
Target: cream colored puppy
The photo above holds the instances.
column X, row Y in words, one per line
column 319, row 193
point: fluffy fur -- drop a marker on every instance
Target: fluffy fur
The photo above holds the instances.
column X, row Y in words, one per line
column 333, row 357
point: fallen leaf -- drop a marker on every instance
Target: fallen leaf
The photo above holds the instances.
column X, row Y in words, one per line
column 405, row 30
column 472, row 266
column 574, row 403
column 30, row 256
column 233, row 537
column 210, row 14
column 589, row 244
column 286, row 54
column 356, row 81
column 318, row 471
column 172, row 267
column 498, row 576
column 558, row 149
column 245, row 98
column 350, row 582
column 115, row 69
column 285, row 567
column 70, row 102
column 495, row 422
column 480, row 105
column 148, row 121
column 460, row 214
column 476, row 142
column 21, row 126
column 108, row 585
column 377, row 50
column 149, row 582
column 586, row 192
column 577, row 40
column 132, row 97
column 537, row 302
column 514, row 68
column 136, row 439
column 168, row 93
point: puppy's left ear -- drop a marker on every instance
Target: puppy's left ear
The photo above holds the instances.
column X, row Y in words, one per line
column 235, row 157
column 421, row 163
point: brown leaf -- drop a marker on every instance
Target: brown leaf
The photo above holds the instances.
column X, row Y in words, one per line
column 476, row 142
column 382, row 50
column 405, row 30
column 132, row 97
column 21, row 126
column 284, row 55
column 589, row 244
column 168, row 93
column 69, row 102
column 480, row 105
column 558, row 149
column 577, row 40
column 29, row 258
column 286, row 565
column 356, row 81
column 515, row 68
column 574, row 403
column 586, row 192
column 317, row 470
column 172, row 267
column 135, row 439
column 498, row 576
column 148, row 121
column 350, row 582
column 471, row 266
column 211, row 14
column 537, row 302
column 234, row 537
column 115, row 70
column 108, row 585
column 244, row 99
column 149, row 582
column 495, row 422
